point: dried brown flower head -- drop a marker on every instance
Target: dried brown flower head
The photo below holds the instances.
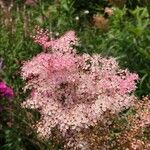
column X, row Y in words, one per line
column 101, row 22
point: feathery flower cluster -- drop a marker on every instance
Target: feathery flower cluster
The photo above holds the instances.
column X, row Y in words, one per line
column 63, row 44
column 131, row 134
column 136, row 135
column 73, row 91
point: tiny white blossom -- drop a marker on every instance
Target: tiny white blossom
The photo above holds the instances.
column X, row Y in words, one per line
column 57, row 33
column 86, row 12
column 77, row 18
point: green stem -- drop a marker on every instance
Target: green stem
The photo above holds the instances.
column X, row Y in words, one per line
column 148, row 6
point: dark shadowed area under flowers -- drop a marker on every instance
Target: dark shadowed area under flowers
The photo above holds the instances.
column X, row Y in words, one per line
column 74, row 74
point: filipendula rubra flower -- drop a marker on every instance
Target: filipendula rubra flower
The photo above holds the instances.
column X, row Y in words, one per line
column 72, row 91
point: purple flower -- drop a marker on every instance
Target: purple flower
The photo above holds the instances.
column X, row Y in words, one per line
column 6, row 90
